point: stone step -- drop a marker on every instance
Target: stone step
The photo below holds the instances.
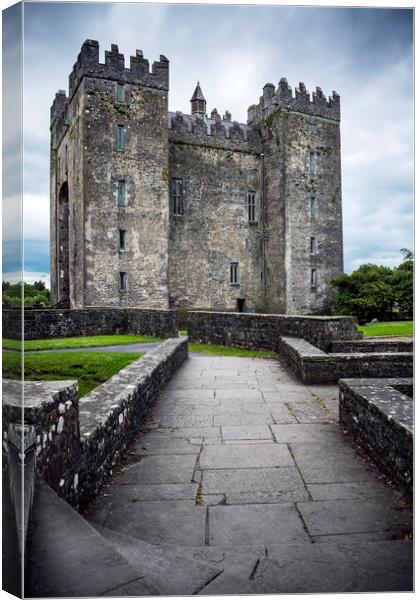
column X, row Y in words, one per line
column 167, row 568
column 67, row 557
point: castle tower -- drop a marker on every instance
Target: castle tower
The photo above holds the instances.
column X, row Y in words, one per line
column 303, row 243
column 198, row 102
column 109, row 188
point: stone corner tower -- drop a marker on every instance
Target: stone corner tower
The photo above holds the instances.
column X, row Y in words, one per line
column 109, row 183
column 303, row 240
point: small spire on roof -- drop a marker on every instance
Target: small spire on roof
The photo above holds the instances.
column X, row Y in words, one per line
column 198, row 102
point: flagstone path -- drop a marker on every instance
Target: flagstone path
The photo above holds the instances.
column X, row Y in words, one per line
column 242, row 466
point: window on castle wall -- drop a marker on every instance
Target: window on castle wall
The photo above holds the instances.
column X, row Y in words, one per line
column 312, row 163
column 177, row 196
column 65, row 160
column 252, row 207
column 120, row 137
column 123, row 281
column 122, row 239
column 234, row 273
column 312, row 207
column 313, row 278
column 312, row 128
column 313, row 246
column 120, row 92
column 121, row 195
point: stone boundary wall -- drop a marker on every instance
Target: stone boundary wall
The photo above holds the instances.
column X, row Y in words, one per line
column 251, row 330
column 372, row 345
column 54, row 323
column 380, row 418
column 312, row 365
column 78, row 442
column 110, row 416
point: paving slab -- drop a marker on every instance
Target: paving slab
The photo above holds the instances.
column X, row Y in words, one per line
column 159, row 469
column 352, row 516
column 169, row 522
column 347, row 491
column 245, row 456
column 250, row 432
column 225, row 481
column 254, row 525
column 301, row 433
column 243, row 419
column 309, row 412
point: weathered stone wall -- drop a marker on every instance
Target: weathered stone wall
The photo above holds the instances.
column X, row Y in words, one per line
column 214, row 229
column 264, row 331
column 45, row 324
column 381, row 419
column 110, row 416
column 50, row 429
column 78, row 442
column 372, row 345
column 314, row 366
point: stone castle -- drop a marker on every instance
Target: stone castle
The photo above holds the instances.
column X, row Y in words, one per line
column 155, row 209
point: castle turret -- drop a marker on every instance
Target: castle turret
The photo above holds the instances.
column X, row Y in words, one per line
column 198, row 102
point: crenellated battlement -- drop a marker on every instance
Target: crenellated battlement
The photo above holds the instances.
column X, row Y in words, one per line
column 300, row 101
column 138, row 73
column 215, row 131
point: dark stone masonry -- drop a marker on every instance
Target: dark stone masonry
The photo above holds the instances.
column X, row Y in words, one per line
column 380, row 417
column 50, row 323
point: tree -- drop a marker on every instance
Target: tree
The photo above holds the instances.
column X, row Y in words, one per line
column 374, row 291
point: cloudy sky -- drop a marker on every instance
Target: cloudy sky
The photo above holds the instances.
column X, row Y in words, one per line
column 363, row 54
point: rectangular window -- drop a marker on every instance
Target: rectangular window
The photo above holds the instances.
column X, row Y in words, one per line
column 123, row 280
column 121, row 239
column 312, row 162
column 121, row 193
column 313, row 245
column 252, row 207
column 312, row 128
column 120, row 137
column 234, row 272
column 312, row 207
column 177, row 196
column 120, row 92
column 313, row 278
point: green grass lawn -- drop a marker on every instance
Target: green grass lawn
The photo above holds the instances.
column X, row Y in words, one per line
column 78, row 342
column 89, row 368
column 228, row 351
column 388, row 328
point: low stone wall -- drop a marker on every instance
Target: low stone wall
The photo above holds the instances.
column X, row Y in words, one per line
column 51, row 323
column 372, row 345
column 249, row 330
column 112, row 413
column 78, row 442
column 312, row 365
column 380, row 418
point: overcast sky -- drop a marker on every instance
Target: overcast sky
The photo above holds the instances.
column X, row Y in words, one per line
column 363, row 54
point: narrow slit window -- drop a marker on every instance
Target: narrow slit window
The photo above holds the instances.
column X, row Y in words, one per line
column 252, row 207
column 120, row 92
column 123, row 280
column 313, row 245
column 312, row 207
column 122, row 239
column 121, row 193
column 313, row 278
column 312, row 162
column 234, row 272
column 120, row 137
column 177, row 196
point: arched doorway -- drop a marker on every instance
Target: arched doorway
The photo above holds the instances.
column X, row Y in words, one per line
column 63, row 243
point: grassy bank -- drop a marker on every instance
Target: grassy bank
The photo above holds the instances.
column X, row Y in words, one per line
column 387, row 328
column 89, row 368
column 79, row 342
column 228, row 351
